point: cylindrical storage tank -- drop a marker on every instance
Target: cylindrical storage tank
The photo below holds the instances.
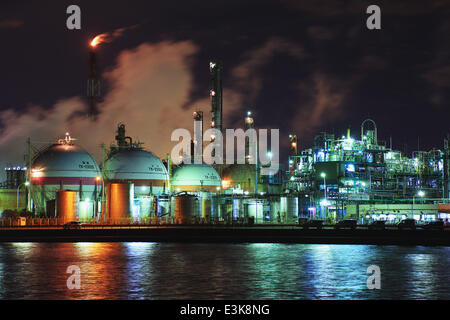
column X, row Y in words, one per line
column 205, row 203
column 146, row 205
column 63, row 166
column 275, row 214
column 163, row 206
column 254, row 209
column 238, row 209
column 67, row 205
column 289, row 209
column 186, row 209
column 119, row 205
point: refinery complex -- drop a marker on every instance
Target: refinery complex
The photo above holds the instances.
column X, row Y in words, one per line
column 352, row 176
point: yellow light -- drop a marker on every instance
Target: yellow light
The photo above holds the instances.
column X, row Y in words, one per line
column 226, row 184
column 98, row 178
column 36, row 173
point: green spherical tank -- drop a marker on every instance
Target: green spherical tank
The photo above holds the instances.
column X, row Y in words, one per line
column 195, row 177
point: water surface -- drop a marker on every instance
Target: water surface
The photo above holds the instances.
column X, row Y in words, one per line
column 138, row 270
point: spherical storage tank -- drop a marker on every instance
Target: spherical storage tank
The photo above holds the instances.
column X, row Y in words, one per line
column 140, row 167
column 65, row 166
column 195, row 177
column 141, row 173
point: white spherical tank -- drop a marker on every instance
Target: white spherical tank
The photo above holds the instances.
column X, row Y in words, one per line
column 65, row 166
column 140, row 167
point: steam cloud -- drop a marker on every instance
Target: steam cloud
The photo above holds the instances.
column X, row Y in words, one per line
column 148, row 86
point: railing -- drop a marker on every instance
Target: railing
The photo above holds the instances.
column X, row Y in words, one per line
column 146, row 221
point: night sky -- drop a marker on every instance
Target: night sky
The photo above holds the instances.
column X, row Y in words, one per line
column 302, row 66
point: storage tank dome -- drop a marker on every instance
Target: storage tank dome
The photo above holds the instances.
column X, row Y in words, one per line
column 63, row 165
column 137, row 166
column 195, row 177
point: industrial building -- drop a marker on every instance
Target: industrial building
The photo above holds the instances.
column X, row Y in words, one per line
column 364, row 178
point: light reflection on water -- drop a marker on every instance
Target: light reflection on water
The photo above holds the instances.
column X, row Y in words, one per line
column 138, row 270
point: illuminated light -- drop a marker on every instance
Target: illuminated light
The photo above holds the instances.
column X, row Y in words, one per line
column 249, row 113
column 226, row 184
column 246, row 192
column 269, row 154
column 144, row 188
column 178, row 189
column 349, row 183
column 213, row 93
column 421, row 193
column 36, row 173
column 212, row 65
column 87, row 200
column 27, row 183
column 98, row 39
column 293, row 144
column 98, row 178
column 350, row 167
column 218, row 188
column 292, row 178
column 363, row 184
column 324, row 203
column 323, row 175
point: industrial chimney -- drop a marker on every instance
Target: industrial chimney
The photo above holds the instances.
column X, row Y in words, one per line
column 93, row 83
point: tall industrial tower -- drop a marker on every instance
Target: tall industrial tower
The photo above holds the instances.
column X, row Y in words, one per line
column 215, row 70
column 215, row 92
column 249, row 124
column 93, row 83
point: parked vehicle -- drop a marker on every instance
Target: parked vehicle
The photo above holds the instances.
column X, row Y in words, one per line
column 346, row 224
column 407, row 224
column 308, row 223
column 378, row 225
column 72, row 225
column 434, row 225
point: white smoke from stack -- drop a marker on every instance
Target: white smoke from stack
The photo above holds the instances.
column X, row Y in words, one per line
column 149, row 84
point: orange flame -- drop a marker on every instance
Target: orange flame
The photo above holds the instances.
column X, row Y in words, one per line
column 99, row 39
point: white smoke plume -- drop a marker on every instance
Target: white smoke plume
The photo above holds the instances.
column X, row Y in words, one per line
column 149, row 84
